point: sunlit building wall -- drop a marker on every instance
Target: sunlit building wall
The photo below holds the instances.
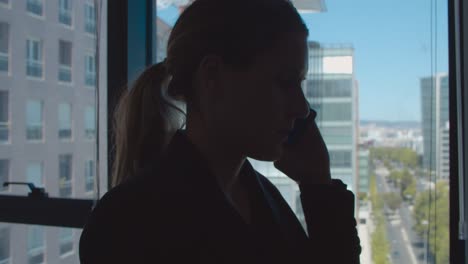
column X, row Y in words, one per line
column 331, row 90
column 48, row 116
column 435, row 124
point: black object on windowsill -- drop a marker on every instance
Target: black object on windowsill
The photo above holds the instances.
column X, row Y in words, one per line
column 36, row 192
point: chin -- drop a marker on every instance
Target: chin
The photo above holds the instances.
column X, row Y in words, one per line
column 268, row 154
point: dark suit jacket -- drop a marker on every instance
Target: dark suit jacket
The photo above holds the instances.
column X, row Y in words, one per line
column 174, row 212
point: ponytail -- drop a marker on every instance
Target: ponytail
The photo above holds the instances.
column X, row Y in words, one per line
column 142, row 123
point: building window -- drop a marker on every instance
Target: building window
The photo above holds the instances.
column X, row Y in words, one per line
column 90, row 122
column 65, row 61
column 4, row 175
column 34, row 126
column 89, row 175
column 329, row 88
column 66, row 241
column 5, row 245
column 4, row 46
column 339, row 135
column 65, row 123
column 65, row 12
column 34, row 57
column 333, row 111
column 35, row 7
column 90, row 70
column 340, row 158
column 5, row 2
column 65, row 175
column 4, row 117
column 34, row 173
column 36, row 245
column 90, row 18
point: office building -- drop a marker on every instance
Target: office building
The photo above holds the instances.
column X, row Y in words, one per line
column 435, row 124
column 331, row 89
column 48, row 130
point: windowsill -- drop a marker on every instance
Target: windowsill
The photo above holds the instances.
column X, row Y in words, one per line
column 68, row 254
column 93, row 36
column 70, row 27
column 90, row 87
column 4, row 73
column 41, row 17
column 35, row 141
column 65, row 83
column 32, row 78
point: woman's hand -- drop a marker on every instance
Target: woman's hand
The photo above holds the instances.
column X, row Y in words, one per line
column 307, row 160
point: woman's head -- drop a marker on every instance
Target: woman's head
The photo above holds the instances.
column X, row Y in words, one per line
column 238, row 65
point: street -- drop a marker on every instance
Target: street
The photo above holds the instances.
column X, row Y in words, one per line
column 405, row 246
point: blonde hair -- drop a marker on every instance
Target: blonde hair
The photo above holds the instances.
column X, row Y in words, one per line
column 236, row 30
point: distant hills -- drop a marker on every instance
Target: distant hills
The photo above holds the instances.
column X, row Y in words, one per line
column 392, row 124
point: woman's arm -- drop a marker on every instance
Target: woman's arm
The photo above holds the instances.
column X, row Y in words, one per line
column 328, row 205
column 329, row 213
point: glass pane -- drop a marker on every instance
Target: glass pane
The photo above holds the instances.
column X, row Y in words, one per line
column 40, row 244
column 378, row 79
column 44, row 137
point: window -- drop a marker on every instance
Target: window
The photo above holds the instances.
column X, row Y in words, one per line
column 65, row 12
column 4, row 47
column 90, row 18
column 4, row 116
column 36, row 245
column 65, row 123
column 333, row 111
column 34, row 173
column 5, row 245
column 89, row 175
column 35, row 7
column 65, row 61
column 90, row 122
column 66, row 241
column 339, row 135
column 45, row 56
column 338, row 87
column 4, row 174
column 340, row 158
column 34, row 123
column 65, row 175
column 34, row 60
column 90, row 70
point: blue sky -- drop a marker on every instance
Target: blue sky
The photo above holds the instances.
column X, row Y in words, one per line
column 392, row 42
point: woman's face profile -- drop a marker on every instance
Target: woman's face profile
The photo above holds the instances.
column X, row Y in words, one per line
column 255, row 108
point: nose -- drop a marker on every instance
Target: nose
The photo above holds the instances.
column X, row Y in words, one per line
column 300, row 107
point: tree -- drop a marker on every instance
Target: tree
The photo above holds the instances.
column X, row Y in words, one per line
column 393, row 200
column 407, row 180
column 430, row 213
column 395, row 177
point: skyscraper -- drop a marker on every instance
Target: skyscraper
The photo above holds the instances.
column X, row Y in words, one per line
column 48, row 110
column 331, row 90
column 435, row 124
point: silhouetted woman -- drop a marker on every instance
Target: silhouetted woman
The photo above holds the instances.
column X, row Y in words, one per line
column 190, row 195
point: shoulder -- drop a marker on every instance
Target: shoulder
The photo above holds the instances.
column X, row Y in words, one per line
column 124, row 221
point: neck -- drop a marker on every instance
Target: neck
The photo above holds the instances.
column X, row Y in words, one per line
column 224, row 164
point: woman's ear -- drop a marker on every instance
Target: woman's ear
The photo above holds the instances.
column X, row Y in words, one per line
column 209, row 78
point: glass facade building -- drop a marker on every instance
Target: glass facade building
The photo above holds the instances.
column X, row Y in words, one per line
column 435, row 124
column 331, row 89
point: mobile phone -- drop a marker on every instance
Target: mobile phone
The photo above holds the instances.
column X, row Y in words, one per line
column 299, row 129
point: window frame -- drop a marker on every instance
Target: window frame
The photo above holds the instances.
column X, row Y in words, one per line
column 8, row 53
column 123, row 18
column 124, row 15
column 33, row 61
